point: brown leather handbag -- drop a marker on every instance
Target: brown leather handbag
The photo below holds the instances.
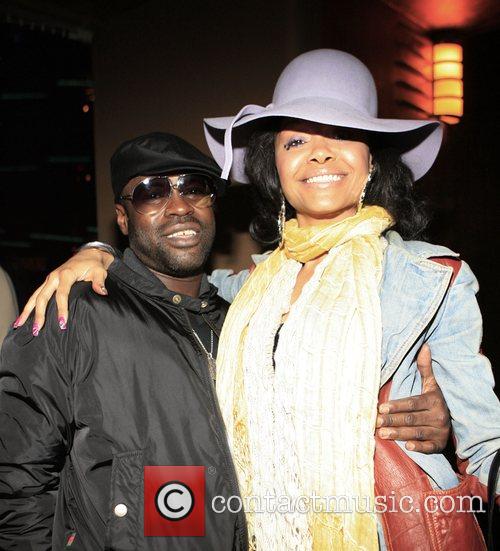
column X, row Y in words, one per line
column 400, row 482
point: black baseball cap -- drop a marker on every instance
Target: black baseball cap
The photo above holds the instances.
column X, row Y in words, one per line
column 160, row 153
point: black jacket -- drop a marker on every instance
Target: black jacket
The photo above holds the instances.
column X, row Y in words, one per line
column 82, row 411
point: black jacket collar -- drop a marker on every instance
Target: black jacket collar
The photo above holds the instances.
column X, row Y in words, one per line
column 131, row 271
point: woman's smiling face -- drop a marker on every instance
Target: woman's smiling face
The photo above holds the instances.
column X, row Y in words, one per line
column 322, row 169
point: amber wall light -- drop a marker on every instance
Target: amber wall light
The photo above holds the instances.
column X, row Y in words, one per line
column 448, row 84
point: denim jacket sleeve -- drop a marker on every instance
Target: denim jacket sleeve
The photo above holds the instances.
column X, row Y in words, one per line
column 228, row 283
column 466, row 378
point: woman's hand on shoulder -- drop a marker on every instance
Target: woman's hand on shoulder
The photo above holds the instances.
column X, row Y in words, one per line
column 87, row 265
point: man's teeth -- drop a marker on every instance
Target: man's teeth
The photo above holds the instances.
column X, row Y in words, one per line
column 183, row 233
column 324, row 178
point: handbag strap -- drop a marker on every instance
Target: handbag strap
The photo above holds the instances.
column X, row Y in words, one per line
column 453, row 262
column 492, row 484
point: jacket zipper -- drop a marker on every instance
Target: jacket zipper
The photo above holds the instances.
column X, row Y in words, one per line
column 211, row 325
column 243, row 536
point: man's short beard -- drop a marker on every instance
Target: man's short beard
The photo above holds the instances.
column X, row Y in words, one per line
column 152, row 249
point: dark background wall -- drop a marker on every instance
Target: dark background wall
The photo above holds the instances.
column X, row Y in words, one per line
column 47, row 187
column 159, row 67
column 165, row 65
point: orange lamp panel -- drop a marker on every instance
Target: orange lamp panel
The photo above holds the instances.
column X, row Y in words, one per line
column 448, row 69
column 449, row 106
column 448, row 88
column 447, row 52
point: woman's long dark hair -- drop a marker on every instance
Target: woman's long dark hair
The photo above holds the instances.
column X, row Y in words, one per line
column 391, row 187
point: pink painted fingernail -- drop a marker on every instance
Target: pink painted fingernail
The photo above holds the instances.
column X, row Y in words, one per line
column 104, row 290
column 36, row 329
column 15, row 325
column 384, row 408
column 410, row 446
column 62, row 323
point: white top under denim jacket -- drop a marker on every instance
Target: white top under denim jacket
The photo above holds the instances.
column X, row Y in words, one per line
column 418, row 306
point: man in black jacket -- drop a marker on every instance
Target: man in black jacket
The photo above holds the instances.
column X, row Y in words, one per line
column 129, row 383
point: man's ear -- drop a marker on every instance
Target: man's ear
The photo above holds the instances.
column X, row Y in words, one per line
column 121, row 218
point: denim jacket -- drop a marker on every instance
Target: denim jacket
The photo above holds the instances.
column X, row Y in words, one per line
column 419, row 305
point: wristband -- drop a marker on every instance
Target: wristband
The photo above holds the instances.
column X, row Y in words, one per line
column 100, row 246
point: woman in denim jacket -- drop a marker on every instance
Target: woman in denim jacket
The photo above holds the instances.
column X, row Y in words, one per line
column 340, row 308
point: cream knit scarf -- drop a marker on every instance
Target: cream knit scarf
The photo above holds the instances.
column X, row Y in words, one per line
column 303, row 425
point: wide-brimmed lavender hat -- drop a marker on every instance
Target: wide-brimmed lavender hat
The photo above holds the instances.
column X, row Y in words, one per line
column 328, row 87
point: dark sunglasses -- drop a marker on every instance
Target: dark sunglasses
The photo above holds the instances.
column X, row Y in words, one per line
column 152, row 194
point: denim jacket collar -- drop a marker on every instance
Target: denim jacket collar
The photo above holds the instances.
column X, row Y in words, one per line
column 406, row 315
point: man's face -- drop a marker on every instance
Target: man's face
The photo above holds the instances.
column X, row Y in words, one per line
column 175, row 241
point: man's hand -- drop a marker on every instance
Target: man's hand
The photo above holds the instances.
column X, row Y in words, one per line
column 423, row 421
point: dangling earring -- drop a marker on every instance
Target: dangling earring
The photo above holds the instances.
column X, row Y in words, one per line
column 281, row 221
column 363, row 193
